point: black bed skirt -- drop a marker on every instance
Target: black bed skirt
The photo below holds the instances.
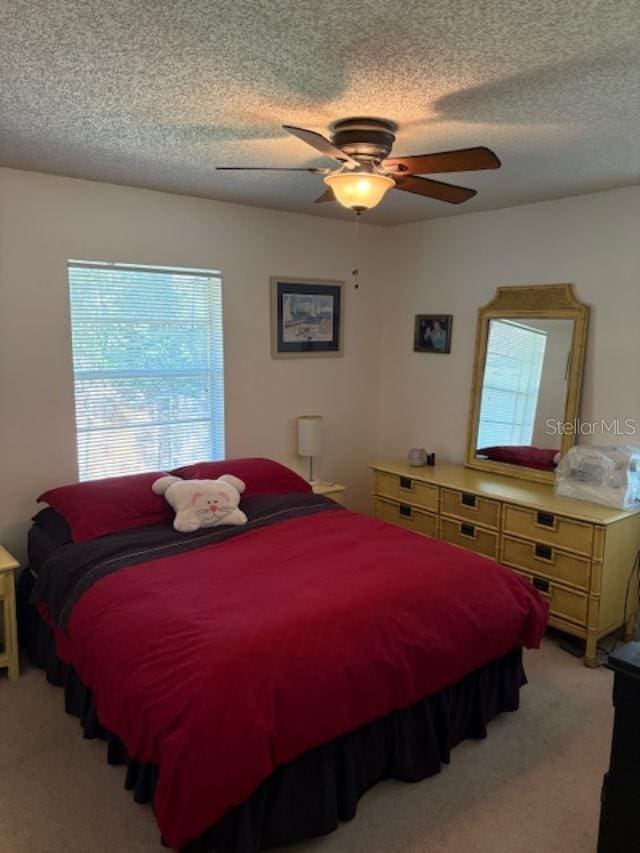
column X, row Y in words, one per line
column 310, row 796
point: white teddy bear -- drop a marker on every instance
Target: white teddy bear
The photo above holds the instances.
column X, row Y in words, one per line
column 202, row 503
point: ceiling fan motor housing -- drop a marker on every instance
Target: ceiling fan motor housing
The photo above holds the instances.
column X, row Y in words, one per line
column 365, row 138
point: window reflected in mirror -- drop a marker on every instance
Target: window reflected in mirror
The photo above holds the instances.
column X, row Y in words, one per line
column 524, row 391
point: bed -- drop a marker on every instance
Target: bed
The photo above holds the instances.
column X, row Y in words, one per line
column 257, row 680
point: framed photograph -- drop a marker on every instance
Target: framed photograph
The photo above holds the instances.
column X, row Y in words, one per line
column 432, row 333
column 306, row 317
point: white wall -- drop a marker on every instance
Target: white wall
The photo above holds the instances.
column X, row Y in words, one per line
column 453, row 265
column 46, row 220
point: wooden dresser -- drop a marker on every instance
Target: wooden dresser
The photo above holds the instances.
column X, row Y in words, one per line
column 580, row 556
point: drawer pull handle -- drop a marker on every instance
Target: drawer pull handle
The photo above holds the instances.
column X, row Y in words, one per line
column 541, row 584
column 406, row 483
column 546, row 519
column 469, row 500
column 544, row 552
column 405, row 510
column 468, row 530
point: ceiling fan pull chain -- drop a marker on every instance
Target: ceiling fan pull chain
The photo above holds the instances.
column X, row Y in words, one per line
column 355, row 272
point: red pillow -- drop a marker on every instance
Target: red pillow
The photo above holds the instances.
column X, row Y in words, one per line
column 97, row 507
column 541, row 458
column 260, row 476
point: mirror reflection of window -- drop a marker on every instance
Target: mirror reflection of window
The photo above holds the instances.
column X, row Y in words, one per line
column 530, row 348
column 511, row 384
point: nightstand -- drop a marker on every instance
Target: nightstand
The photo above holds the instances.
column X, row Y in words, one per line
column 8, row 623
column 331, row 490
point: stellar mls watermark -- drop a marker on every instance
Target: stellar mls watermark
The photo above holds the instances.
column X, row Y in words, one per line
column 615, row 426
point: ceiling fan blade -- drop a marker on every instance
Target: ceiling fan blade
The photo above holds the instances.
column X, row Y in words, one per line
column 317, row 141
column 434, row 189
column 327, row 195
column 463, row 160
column 312, row 169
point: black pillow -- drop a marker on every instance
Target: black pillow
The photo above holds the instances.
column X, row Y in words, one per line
column 54, row 525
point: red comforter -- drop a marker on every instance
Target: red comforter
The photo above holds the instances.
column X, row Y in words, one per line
column 225, row 662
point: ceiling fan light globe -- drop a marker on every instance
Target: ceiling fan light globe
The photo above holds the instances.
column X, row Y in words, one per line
column 359, row 191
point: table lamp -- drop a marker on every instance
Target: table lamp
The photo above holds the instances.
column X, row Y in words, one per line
column 310, row 439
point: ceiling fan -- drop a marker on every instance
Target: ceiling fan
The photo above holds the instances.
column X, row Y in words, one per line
column 362, row 146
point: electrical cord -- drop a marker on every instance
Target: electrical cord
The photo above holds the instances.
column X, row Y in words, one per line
column 634, row 569
column 572, row 649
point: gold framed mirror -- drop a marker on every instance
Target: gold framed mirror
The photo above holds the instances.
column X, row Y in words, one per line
column 527, row 380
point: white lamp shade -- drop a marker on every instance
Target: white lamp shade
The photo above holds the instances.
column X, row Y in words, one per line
column 310, row 435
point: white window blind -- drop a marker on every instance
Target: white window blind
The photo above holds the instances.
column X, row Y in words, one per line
column 512, row 374
column 148, row 367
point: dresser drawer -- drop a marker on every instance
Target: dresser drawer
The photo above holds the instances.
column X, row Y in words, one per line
column 407, row 516
column 470, row 536
column 564, row 603
column 548, row 527
column 547, row 561
column 407, row 490
column 472, row 507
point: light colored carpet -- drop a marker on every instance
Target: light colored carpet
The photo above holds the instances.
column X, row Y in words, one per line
column 532, row 786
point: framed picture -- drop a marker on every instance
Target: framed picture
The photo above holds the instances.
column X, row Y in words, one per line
column 432, row 333
column 306, row 317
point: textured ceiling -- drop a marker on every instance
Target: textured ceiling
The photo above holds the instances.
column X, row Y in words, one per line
column 156, row 94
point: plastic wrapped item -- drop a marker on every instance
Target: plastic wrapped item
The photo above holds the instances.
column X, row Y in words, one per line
column 602, row 475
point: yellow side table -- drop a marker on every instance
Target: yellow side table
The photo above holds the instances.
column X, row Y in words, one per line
column 335, row 491
column 9, row 635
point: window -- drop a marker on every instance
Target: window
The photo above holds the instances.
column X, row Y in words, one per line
column 148, row 367
column 512, row 374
